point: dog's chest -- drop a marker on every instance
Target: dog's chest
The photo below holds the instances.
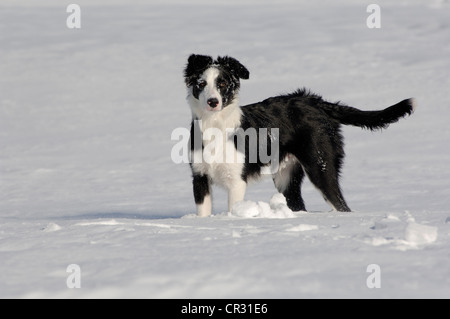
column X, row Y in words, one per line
column 218, row 157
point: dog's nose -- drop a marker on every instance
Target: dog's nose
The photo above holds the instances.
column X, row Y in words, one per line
column 213, row 102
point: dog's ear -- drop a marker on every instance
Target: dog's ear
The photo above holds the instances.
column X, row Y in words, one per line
column 234, row 66
column 196, row 65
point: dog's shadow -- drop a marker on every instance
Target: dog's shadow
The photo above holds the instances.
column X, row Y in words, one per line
column 120, row 215
column 130, row 215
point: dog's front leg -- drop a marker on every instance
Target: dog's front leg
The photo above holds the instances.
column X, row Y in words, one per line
column 202, row 194
column 236, row 193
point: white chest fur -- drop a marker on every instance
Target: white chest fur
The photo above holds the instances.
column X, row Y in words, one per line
column 219, row 158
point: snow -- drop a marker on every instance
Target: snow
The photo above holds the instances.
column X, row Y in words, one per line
column 86, row 176
column 276, row 208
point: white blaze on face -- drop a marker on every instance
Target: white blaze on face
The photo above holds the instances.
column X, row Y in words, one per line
column 210, row 91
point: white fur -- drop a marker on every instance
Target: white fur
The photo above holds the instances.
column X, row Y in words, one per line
column 236, row 193
column 204, row 209
column 282, row 178
column 219, row 159
column 210, row 90
column 414, row 105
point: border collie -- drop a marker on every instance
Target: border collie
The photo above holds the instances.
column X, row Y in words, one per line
column 308, row 139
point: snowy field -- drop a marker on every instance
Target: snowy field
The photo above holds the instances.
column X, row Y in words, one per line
column 86, row 175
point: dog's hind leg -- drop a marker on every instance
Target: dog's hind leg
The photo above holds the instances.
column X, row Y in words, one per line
column 324, row 174
column 333, row 195
column 288, row 181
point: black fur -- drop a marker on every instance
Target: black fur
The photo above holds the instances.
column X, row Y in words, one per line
column 309, row 130
column 234, row 67
column 197, row 64
column 200, row 182
column 201, row 187
column 231, row 70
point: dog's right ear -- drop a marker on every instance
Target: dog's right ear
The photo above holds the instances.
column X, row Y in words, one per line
column 196, row 65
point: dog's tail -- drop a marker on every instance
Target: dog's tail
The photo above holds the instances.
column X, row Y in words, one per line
column 372, row 120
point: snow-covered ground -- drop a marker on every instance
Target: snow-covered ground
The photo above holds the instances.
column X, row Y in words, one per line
column 86, row 176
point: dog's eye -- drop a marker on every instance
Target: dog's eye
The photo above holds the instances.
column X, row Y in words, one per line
column 201, row 84
column 222, row 84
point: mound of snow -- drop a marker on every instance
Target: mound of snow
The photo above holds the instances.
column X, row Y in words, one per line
column 303, row 227
column 415, row 235
column 51, row 227
column 276, row 208
column 418, row 234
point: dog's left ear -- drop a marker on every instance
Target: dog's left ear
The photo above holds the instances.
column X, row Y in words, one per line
column 234, row 66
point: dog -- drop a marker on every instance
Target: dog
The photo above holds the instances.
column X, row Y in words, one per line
column 308, row 140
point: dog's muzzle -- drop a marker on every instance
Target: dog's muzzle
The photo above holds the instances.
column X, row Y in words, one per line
column 213, row 102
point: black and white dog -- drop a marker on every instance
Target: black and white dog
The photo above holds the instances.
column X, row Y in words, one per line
column 300, row 130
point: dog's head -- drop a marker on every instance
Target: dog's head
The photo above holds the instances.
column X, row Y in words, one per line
column 214, row 83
